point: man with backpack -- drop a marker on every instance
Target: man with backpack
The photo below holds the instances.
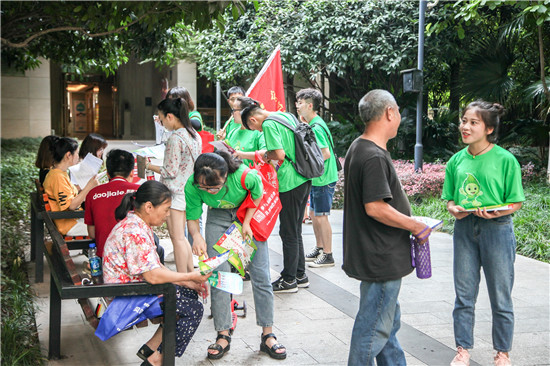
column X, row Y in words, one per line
column 322, row 189
column 294, row 146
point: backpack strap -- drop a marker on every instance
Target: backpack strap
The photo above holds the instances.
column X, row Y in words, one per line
column 285, row 123
column 326, row 132
column 243, row 177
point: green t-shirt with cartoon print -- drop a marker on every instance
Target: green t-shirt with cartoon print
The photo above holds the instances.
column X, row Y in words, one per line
column 489, row 179
column 324, row 140
column 231, row 195
column 243, row 139
column 277, row 137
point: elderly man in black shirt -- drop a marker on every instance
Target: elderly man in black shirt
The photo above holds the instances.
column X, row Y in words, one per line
column 377, row 225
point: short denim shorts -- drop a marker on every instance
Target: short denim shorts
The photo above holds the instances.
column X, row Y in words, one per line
column 320, row 199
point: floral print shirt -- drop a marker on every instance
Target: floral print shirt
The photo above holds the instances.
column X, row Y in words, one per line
column 179, row 157
column 129, row 251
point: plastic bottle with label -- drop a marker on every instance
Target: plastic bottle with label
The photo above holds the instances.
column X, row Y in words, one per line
column 95, row 265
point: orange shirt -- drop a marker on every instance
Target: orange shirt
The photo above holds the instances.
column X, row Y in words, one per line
column 61, row 192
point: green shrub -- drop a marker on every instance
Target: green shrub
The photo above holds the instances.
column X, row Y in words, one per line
column 19, row 337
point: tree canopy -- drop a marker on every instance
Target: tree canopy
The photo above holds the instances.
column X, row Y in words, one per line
column 87, row 35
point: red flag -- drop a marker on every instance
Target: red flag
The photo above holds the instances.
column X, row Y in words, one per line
column 268, row 88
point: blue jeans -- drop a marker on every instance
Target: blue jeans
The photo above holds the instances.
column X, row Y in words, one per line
column 376, row 325
column 490, row 244
column 217, row 222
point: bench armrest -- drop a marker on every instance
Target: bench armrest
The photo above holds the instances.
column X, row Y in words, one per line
column 112, row 290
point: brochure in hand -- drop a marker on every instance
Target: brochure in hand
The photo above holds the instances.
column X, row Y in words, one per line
column 222, row 146
column 210, row 264
column 233, row 239
column 226, row 281
column 502, row 207
column 434, row 224
column 84, row 171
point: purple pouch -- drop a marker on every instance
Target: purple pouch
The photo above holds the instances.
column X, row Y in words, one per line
column 421, row 260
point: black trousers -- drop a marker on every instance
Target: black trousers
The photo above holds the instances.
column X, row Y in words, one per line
column 290, row 230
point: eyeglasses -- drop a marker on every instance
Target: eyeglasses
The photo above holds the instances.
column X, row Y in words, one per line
column 211, row 189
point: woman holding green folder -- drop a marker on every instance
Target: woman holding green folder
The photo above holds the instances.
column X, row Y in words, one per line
column 483, row 174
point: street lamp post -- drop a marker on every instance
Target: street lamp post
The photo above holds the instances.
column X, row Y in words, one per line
column 418, row 148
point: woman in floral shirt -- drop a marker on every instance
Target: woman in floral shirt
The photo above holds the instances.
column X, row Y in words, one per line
column 130, row 256
column 182, row 148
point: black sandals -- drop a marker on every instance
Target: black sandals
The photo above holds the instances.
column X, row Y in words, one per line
column 272, row 351
column 144, row 352
column 220, row 349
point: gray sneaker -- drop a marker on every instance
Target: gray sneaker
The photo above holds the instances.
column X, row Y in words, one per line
column 282, row 286
column 315, row 252
column 323, row 260
column 302, row 281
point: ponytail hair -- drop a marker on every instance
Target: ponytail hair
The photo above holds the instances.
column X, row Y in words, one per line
column 61, row 147
column 490, row 113
column 150, row 191
column 180, row 109
column 44, row 157
column 211, row 167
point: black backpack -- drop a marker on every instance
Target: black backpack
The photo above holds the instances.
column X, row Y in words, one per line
column 309, row 159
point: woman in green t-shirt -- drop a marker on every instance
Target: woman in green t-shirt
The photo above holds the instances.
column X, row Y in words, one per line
column 477, row 177
column 216, row 182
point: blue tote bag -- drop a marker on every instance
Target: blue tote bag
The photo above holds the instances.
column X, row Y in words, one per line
column 126, row 311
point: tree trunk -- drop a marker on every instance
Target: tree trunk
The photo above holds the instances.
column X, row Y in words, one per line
column 454, row 92
column 290, row 94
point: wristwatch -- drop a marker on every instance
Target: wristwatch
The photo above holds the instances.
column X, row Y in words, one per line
column 265, row 156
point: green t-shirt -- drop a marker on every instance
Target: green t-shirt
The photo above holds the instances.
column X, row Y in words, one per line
column 330, row 175
column 230, row 196
column 277, row 137
column 489, row 179
column 243, row 139
column 230, row 125
column 196, row 115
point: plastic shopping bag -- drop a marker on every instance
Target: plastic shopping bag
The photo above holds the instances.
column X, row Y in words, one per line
column 126, row 311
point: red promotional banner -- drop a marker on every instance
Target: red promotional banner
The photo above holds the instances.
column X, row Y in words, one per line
column 268, row 88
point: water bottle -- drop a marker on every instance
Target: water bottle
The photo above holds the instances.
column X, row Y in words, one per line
column 95, row 265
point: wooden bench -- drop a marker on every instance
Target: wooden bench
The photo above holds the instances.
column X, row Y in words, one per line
column 37, row 230
column 66, row 283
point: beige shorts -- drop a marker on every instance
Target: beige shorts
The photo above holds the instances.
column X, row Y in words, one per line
column 178, row 202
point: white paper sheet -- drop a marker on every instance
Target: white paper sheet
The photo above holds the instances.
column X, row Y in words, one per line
column 88, row 168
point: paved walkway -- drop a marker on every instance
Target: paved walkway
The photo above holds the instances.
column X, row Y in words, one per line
column 315, row 323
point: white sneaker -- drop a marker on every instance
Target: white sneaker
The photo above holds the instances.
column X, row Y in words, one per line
column 502, row 359
column 462, row 358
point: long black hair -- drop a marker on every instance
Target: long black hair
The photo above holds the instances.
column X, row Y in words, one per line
column 150, row 191
column 61, row 147
column 44, row 157
column 179, row 108
column 212, row 167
